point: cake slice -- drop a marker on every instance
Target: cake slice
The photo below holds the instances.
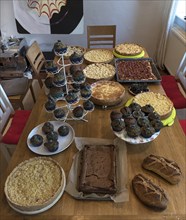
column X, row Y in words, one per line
column 98, row 169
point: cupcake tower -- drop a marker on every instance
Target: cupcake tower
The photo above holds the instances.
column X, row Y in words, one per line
column 71, row 88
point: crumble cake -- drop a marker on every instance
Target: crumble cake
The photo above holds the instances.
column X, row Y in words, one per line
column 99, row 56
column 161, row 103
column 34, row 184
column 99, row 71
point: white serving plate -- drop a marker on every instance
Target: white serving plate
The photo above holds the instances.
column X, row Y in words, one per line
column 138, row 140
column 64, row 142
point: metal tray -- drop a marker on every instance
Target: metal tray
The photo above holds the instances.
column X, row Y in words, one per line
column 153, row 66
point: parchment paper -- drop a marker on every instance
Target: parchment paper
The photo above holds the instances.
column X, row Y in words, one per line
column 122, row 194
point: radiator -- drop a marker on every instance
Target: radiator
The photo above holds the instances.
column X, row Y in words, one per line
column 175, row 49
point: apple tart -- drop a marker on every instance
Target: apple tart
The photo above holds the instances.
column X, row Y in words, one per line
column 107, row 93
column 35, row 184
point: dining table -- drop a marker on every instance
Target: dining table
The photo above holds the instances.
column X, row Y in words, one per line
column 170, row 143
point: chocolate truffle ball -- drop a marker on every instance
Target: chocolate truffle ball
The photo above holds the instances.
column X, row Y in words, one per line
column 63, row 130
column 78, row 112
column 47, row 127
column 36, row 140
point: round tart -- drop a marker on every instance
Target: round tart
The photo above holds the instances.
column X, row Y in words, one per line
column 128, row 49
column 35, row 184
column 99, row 71
column 162, row 104
column 107, row 93
column 72, row 49
column 99, row 56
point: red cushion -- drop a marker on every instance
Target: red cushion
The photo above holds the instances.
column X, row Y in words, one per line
column 173, row 92
column 18, row 123
column 183, row 125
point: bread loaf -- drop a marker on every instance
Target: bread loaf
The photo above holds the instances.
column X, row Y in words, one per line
column 167, row 169
column 149, row 193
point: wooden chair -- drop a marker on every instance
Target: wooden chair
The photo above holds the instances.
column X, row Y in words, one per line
column 16, row 89
column 13, row 80
column 36, row 59
column 101, row 36
column 11, row 125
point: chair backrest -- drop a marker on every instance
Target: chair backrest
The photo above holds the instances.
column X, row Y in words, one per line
column 6, row 110
column 181, row 72
column 97, row 36
column 36, row 59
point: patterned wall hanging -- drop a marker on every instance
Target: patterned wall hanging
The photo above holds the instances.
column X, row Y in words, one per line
column 49, row 16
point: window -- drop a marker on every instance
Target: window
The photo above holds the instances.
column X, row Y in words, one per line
column 180, row 18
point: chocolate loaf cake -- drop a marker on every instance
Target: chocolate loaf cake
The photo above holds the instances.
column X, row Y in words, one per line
column 98, row 169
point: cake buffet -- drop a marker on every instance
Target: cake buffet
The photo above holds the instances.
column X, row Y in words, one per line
column 102, row 89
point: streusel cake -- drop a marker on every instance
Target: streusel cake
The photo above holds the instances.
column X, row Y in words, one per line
column 161, row 103
column 34, row 184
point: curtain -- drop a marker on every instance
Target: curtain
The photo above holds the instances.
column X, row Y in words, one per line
column 167, row 22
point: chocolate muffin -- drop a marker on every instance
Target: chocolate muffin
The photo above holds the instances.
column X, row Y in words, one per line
column 130, row 120
column 76, row 86
column 117, row 125
column 86, row 93
column 59, row 79
column 143, row 121
column 135, row 107
column 137, row 114
column 126, row 111
column 51, row 66
column 63, row 130
column 147, row 109
column 59, row 47
column 51, row 145
column 47, row 127
column 74, row 68
column 85, row 86
column 115, row 115
column 50, row 105
column 88, row 105
column 56, row 93
column 157, row 124
column 78, row 76
column 153, row 115
column 147, row 131
column 53, row 135
column 36, row 140
column 78, row 112
column 133, row 131
column 59, row 113
column 49, row 82
column 71, row 97
column 76, row 58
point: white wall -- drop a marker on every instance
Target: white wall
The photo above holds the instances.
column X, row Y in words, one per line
column 176, row 46
column 137, row 21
